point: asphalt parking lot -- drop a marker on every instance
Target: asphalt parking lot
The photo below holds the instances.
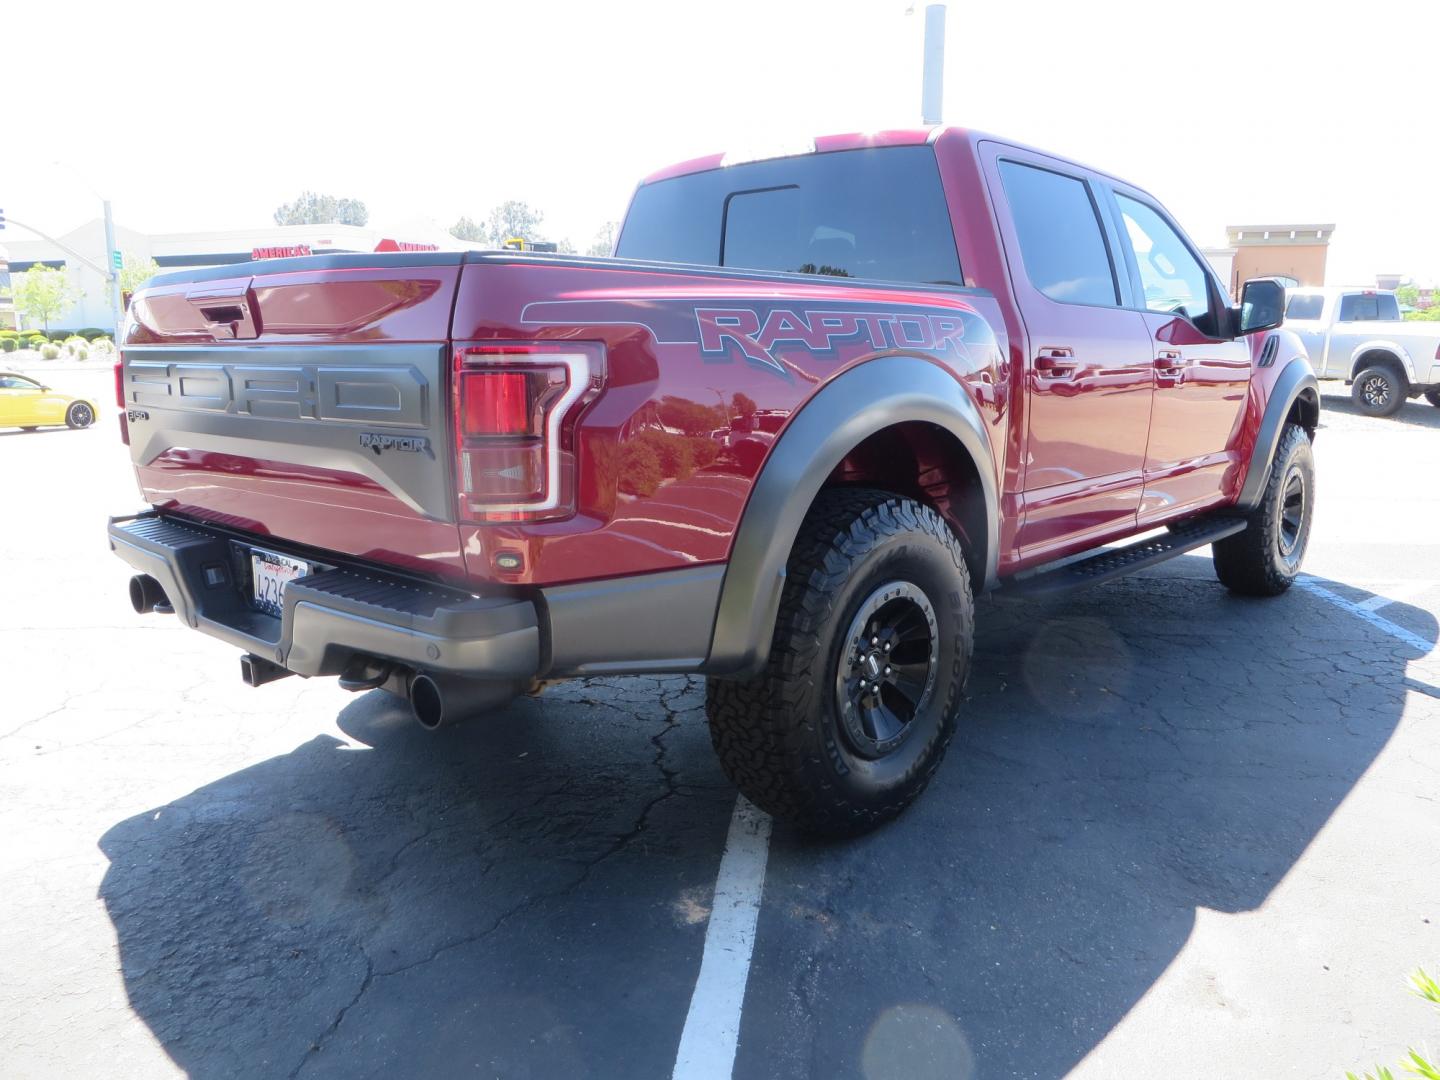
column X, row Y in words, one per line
column 1180, row 834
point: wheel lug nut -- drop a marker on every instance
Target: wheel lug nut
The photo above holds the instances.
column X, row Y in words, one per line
column 887, row 646
column 874, row 641
column 887, row 671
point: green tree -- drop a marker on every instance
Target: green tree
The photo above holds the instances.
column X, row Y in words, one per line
column 465, row 229
column 136, row 271
column 512, row 218
column 43, row 293
column 603, row 245
column 1408, row 295
column 312, row 208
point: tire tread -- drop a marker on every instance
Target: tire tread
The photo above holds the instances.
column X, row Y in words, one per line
column 763, row 727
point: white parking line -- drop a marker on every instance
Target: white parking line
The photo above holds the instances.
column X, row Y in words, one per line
column 712, row 1026
column 1393, row 592
column 1364, row 611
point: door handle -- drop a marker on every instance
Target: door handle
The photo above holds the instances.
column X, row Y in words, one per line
column 1055, row 361
column 1170, row 362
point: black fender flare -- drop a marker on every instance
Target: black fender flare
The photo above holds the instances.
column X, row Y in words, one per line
column 868, row 398
column 1295, row 379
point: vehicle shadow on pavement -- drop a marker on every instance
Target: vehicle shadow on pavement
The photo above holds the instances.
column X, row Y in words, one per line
column 1125, row 757
column 1418, row 413
column 4, row 434
column 527, row 896
column 522, row 896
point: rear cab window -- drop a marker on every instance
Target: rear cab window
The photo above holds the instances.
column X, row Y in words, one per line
column 878, row 214
column 1369, row 307
column 1304, row 307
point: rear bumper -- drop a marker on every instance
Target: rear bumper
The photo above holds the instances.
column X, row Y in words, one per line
column 333, row 615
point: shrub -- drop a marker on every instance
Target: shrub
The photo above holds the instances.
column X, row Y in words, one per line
column 640, row 472
column 57, row 336
column 75, row 341
column 90, row 333
column 36, row 341
column 671, row 451
column 81, row 353
column 49, row 351
column 703, row 450
column 9, row 333
column 8, row 344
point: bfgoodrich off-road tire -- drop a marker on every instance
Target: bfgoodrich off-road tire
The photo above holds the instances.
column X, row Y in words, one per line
column 1264, row 560
column 854, row 709
column 1379, row 390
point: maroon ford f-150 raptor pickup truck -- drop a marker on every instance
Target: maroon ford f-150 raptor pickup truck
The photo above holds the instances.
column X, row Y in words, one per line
column 813, row 406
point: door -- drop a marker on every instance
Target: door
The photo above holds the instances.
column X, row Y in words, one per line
column 1089, row 369
column 1306, row 316
column 21, row 402
column 1360, row 318
column 1202, row 379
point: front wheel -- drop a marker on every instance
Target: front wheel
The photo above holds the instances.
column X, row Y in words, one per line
column 852, row 714
column 79, row 415
column 1379, row 391
column 1265, row 559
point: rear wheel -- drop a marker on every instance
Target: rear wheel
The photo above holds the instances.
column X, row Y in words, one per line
column 79, row 415
column 1265, row 559
column 1379, row 390
column 852, row 714
column 1433, row 396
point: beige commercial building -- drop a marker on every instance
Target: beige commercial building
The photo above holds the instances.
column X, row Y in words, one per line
column 1293, row 252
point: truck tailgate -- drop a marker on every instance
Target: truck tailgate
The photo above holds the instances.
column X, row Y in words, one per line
column 301, row 402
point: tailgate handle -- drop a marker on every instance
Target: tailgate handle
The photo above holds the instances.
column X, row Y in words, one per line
column 229, row 312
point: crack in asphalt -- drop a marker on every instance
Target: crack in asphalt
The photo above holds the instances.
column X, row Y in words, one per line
column 339, row 1017
column 668, row 776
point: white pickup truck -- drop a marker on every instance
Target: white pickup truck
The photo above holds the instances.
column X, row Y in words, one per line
column 1358, row 335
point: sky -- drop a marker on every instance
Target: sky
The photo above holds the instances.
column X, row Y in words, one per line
column 196, row 117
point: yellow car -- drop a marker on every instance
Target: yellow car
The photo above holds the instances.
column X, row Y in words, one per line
column 26, row 403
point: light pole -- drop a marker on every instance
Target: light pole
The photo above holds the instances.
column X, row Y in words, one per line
column 112, row 253
column 932, row 80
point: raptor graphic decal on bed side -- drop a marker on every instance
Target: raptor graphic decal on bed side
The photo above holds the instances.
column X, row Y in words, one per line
column 757, row 332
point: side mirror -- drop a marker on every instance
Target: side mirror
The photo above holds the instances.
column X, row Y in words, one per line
column 1262, row 306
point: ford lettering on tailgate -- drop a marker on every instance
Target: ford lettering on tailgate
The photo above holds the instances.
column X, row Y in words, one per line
column 386, row 395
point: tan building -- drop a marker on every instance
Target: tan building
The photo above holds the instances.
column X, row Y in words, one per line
column 1296, row 252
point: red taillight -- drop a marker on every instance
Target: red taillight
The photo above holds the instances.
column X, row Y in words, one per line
column 515, row 407
column 120, row 399
column 504, row 402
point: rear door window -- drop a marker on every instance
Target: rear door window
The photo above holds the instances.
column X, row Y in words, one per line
column 878, row 214
column 1369, row 307
column 1061, row 242
column 1304, row 306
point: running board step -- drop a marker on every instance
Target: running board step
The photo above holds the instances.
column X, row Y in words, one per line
column 1111, row 563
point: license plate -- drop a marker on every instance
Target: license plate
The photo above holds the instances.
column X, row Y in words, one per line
column 269, row 573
